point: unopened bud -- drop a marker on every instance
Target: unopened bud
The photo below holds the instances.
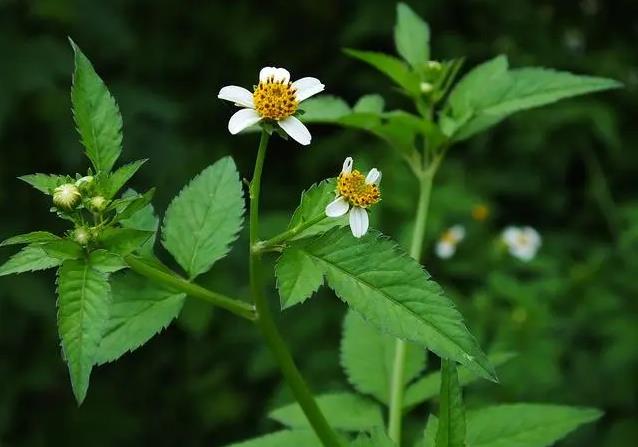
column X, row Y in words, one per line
column 426, row 87
column 66, row 196
column 433, row 66
column 85, row 183
column 82, row 236
column 98, row 203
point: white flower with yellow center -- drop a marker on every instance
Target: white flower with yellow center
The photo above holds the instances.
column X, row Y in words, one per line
column 355, row 193
column 275, row 98
column 446, row 245
column 522, row 242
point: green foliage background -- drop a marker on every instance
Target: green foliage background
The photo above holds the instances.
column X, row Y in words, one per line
column 569, row 170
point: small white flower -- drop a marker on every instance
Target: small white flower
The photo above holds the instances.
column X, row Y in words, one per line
column 446, row 245
column 355, row 193
column 275, row 98
column 522, row 242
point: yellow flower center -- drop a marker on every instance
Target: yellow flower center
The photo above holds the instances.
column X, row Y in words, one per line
column 353, row 187
column 275, row 100
column 449, row 237
column 480, row 212
column 523, row 240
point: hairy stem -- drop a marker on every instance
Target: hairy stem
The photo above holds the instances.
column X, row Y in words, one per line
column 163, row 275
column 288, row 234
column 265, row 320
column 398, row 369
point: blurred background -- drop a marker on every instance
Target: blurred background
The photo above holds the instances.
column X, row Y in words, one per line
column 569, row 170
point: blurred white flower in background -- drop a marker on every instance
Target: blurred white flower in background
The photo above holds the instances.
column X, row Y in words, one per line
column 522, row 242
column 446, row 245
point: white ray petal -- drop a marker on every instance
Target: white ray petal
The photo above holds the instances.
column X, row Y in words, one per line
column 458, row 232
column 337, row 208
column 444, row 249
column 511, row 235
column 296, row 129
column 282, row 75
column 238, row 95
column 373, row 177
column 358, row 221
column 242, row 119
column 347, row 166
column 266, row 73
column 532, row 236
column 307, row 87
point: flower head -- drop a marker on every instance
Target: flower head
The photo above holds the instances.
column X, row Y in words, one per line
column 522, row 242
column 275, row 99
column 82, row 236
column 355, row 193
column 98, row 204
column 66, row 196
column 446, row 245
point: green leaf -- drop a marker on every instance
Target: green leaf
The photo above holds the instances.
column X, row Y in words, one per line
column 411, row 36
column 146, row 220
column 344, row 411
column 45, row 183
column 297, row 277
column 367, row 356
column 31, row 238
column 369, row 104
column 29, row 259
column 451, row 429
column 428, row 386
column 313, row 203
column 205, row 218
column 490, row 92
column 118, row 179
column 106, row 261
column 431, row 428
column 324, row 109
column 392, row 67
column 124, row 240
column 525, row 425
column 284, row 438
column 84, row 299
column 63, row 249
column 96, row 114
column 377, row 438
column 135, row 204
column 391, row 291
column 140, row 310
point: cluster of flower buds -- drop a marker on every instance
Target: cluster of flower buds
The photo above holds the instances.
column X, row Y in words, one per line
column 69, row 196
column 433, row 70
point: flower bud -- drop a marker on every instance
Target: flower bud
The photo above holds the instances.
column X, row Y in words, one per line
column 85, row 184
column 98, row 204
column 426, row 87
column 433, row 66
column 82, row 236
column 66, row 196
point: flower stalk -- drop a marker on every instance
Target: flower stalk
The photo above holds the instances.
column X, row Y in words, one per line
column 266, row 323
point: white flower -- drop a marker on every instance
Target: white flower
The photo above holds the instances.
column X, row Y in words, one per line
column 446, row 245
column 275, row 98
column 522, row 242
column 355, row 193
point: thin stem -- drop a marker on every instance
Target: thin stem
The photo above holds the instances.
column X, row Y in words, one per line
column 266, row 323
column 167, row 277
column 398, row 369
column 288, row 234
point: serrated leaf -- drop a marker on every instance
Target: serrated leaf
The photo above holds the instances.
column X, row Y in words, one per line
column 324, row 109
column 411, row 36
column 284, row 438
column 313, row 203
column 367, row 356
column 124, row 241
column 140, row 310
column 63, row 249
column 106, row 261
column 30, row 238
column 118, row 179
column 146, row 220
column 84, row 299
column 392, row 67
column 369, row 104
column 451, row 428
column 344, row 411
column 45, row 183
column 29, row 259
column 428, row 386
column 391, row 291
column 135, row 204
column 96, row 114
column 525, row 425
column 491, row 92
column 205, row 218
column 297, row 277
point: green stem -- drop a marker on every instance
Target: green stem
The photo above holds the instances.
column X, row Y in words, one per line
column 398, row 369
column 288, row 234
column 266, row 323
column 172, row 279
